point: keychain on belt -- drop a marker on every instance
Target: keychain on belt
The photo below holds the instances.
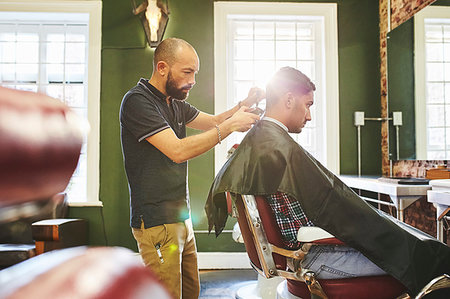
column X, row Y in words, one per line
column 158, row 251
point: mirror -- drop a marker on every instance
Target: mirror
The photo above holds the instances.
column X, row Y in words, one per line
column 402, row 92
column 400, row 65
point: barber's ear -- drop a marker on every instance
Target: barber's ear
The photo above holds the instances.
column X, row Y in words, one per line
column 162, row 68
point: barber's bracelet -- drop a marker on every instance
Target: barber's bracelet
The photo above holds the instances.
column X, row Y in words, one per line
column 218, row 134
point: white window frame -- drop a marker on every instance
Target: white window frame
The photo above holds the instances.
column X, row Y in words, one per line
column 326, row 10
column 430, row 12
column 94, row 9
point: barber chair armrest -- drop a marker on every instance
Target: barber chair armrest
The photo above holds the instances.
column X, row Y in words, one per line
column 316, row 235
column 295, row 254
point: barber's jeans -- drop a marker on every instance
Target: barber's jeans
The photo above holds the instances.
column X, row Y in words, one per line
column 334, row 262
column 175, row 263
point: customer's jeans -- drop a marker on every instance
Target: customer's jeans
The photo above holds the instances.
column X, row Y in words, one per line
column 334, row 262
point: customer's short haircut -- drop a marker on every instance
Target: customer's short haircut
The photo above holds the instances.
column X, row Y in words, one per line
column 287, row 79
column 167, row 50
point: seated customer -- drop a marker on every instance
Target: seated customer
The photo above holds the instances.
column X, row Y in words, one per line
column 269, row 162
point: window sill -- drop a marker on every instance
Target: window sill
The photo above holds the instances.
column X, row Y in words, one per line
column 86, row 204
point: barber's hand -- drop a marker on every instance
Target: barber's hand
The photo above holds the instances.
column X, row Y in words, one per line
column 243, row 119
column 255, row 95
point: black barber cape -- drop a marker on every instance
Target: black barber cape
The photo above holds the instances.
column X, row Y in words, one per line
column 269, row 160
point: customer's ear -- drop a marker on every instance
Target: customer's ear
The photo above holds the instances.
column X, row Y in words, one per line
column 289, row 100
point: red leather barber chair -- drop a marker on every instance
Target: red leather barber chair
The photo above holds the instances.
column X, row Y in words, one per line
column 264, row 246
column 40, row 142
column 82, row 273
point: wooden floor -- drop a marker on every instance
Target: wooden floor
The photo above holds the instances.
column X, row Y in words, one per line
column 224, row 283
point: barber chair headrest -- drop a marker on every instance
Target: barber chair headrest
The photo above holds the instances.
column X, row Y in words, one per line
column 40, row 142
column 82, row 273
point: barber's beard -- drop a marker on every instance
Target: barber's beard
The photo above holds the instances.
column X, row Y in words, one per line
column 173, row 91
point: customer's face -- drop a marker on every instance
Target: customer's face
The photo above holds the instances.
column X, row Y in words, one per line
column 300, row 113
column 181, row 76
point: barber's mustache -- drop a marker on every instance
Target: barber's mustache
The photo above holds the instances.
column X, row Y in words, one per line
column 187, row 86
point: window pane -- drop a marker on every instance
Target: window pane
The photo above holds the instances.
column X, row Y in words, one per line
column 76, row 33
column 286, row 50
column 435, row 115
column 446, row 33
column 306, row 138
column 27, row 72
column 305, row 31
column 7, row 33
column 435, row 155
column 433, row 33
column 447, row 52
column 307, row 68
column 8, row 72
column 27, row 33
column 263, row 71
column 434, row 52
column 285, row 31
column 55, row 52
column 435, row 72
column 54, row 33
column 243, row 70
column 241, row 89
column 27, row 87
column 75, row 52
column 305, row 50
column 7, row 52
column 243, row 50
column 435, row 140
column 282, row 63
column 243, row 30
column 74, row 95
column 54, row 73
column 447, row 93
column 435, row 93
column 447, row 118
column 75, row 73
column 264, row 49
column 27, row 52
column 264, row 30
column 446, row 71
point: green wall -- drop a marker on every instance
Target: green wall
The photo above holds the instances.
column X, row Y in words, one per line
column 125, row 59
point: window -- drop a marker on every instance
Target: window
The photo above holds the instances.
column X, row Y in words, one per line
column 259, row 38
column 54, row 48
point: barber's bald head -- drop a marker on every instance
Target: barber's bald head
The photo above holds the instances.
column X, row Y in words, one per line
column 170, row 49
column 287, row 79
column 175, row 65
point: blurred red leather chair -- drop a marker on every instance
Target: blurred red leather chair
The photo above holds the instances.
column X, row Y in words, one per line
column 264, row 246
column 82, row 273
column 39, row 149
column 40, row 142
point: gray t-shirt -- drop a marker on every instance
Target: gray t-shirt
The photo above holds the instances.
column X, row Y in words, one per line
column 158, row 186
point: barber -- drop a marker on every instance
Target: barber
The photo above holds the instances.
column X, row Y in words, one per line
column 153, row 119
